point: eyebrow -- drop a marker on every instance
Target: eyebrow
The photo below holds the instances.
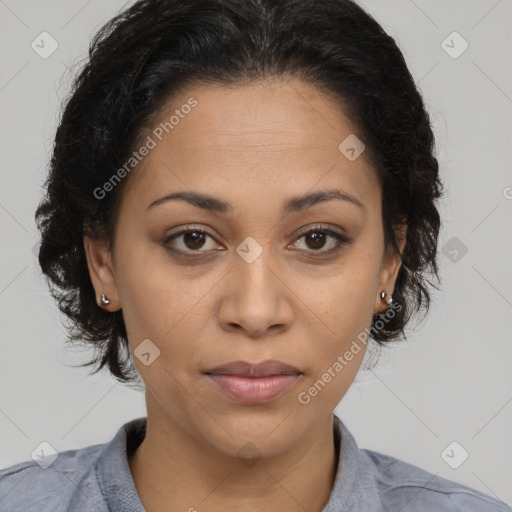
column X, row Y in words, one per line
column 294, row 204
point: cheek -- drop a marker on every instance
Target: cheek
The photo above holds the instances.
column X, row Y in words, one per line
column 338, row 354
column 143, row 286
column 347, row 305
column 346, row 299
column 160, row 303
column 335, row 368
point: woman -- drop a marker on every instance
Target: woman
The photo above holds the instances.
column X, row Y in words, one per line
column 241, row 193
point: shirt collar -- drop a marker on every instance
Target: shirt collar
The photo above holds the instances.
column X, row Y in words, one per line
column 113, row 471
column 354, row 487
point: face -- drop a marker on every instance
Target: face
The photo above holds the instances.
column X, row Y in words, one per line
column 257, row 278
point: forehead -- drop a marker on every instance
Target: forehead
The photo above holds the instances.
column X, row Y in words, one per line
column 276, row 115
column 258, row 139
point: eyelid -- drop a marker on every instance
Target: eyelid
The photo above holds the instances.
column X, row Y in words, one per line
column 321, row 227
column 189, row 227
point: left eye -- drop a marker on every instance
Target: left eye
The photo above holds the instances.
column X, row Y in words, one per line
column 194, row 239
column 316, row 239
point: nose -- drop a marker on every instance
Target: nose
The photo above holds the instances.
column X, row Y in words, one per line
column 256, row 298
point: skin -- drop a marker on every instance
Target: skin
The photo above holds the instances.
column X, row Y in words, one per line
column 253, row 146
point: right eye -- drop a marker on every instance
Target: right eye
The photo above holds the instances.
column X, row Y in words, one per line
column 192, row 240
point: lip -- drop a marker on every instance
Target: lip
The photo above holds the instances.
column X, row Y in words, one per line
column 262, row 369
column 254, row 383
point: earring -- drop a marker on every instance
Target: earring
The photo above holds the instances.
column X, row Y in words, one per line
column 387, row 298
column 105, row 301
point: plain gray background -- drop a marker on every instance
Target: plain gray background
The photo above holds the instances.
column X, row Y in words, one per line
column 452, row 379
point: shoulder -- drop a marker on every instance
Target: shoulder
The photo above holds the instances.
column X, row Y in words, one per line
column 51, row 483
column 403, row 484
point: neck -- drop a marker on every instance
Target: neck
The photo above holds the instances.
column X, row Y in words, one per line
column 173, row 470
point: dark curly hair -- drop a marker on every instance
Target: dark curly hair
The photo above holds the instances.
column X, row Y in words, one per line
column 155, row 49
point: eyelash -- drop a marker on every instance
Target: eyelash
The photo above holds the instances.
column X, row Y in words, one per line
column 341, row 240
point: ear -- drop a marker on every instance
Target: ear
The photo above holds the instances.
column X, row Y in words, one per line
column 390, row 266
column 101, row 270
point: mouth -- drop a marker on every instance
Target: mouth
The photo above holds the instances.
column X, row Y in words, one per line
column 254, row 383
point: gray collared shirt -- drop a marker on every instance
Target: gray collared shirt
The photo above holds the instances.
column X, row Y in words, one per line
column 97, row 479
